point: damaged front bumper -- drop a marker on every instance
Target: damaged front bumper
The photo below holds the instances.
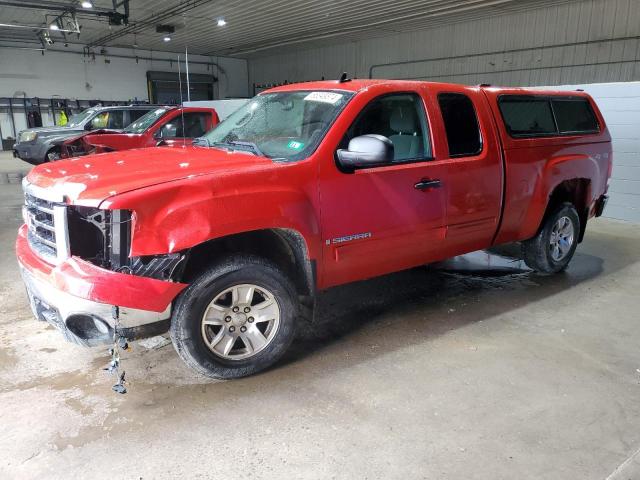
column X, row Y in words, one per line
column 77, row 298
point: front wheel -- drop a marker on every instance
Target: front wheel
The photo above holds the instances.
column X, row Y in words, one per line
column 53, row 155
column 235, row 319
column 551, row 250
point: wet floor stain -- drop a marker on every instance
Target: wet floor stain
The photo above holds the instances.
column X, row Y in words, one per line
column 485, row 263
column 7, row 357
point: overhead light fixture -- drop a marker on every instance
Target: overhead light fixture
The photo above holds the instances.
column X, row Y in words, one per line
column 167, row 38
column 86, row 4
column 46, row 38
column 54, row 26
column 222, row 22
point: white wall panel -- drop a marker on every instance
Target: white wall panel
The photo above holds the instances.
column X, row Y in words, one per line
column 71, row 75
column 67, row 74
column 620, row 106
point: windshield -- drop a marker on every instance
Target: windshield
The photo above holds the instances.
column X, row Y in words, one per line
column 79, row 118
column 145, row 121
column 283, row 125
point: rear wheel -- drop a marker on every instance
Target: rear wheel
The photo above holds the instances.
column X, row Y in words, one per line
column 235, row 319
column 551, row 250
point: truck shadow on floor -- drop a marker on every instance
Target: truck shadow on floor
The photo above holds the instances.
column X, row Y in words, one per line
column 429, row 301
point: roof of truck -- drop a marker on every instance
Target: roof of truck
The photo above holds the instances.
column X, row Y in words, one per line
column 357, row 85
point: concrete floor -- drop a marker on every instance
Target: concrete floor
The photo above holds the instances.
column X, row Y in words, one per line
column 434, row 373
column 8, row 164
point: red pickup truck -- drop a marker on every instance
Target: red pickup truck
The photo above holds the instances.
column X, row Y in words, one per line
column 160, row 126
column 308, row 186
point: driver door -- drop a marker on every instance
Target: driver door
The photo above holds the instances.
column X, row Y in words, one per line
column 390, row 217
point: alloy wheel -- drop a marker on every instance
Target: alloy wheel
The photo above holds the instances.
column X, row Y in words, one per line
column 240, row 321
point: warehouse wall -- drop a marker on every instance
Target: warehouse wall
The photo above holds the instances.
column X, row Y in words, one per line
column 620, row 106
column 67, row 74
column 581, row 42
column 71, row 75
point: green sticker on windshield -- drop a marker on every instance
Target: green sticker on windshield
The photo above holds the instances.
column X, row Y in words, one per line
column 293, row 145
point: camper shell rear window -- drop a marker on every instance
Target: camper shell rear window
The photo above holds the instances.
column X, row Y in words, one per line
column 530, row 116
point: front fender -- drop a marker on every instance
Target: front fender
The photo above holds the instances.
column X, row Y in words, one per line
column 176, row 216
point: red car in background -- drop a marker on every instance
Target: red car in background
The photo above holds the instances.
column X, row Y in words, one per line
column 161, row 126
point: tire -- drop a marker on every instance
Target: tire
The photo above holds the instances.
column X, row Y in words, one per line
column 551, row 250
column 202, row 345
column 52, row 155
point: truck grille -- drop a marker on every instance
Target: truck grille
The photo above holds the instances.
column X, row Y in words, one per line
column 47, row 224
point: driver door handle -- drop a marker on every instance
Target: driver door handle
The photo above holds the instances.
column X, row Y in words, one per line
column 427, row 184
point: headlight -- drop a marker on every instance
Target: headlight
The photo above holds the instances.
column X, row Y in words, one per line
column 28, row 136
column 103, row 237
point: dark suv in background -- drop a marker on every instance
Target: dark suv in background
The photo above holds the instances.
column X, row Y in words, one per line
column 39, row 145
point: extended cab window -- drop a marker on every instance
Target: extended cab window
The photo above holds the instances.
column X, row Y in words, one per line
column 400, row 118
column 461, row 124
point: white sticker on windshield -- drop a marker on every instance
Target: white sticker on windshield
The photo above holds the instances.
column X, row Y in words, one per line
column 325, row 97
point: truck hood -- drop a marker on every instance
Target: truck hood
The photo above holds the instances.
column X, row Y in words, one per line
column 92, row 179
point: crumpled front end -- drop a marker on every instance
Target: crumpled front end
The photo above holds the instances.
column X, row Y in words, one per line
column 75, row 264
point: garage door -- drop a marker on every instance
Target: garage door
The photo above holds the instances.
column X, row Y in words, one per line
column 620, row 105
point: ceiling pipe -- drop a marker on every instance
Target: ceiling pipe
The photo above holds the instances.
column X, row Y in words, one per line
column 20, row 25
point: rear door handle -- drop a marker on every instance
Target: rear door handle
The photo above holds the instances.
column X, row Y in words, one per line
column 428, row 184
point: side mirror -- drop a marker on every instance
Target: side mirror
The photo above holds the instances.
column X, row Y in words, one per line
column 366, row 151
column 88, row 126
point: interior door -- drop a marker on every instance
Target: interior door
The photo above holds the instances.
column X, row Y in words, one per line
column 391, row 217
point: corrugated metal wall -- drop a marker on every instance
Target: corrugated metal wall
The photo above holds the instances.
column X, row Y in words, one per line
column 620, row 105
column 581, row 42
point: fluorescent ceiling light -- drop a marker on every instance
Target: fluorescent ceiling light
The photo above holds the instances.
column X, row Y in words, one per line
column 86, row 4
column 222, row 22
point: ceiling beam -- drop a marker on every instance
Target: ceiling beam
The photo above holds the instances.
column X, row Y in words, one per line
column 148, row 22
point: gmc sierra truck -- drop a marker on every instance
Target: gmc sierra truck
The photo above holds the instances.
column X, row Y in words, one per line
column 308, row 186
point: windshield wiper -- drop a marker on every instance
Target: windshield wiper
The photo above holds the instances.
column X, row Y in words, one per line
column 250, row 145
column 201, row 142
column 238, row 145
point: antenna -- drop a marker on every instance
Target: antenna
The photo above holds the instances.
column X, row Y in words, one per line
column 186, row 62
column 184, row 140
column 344, row 78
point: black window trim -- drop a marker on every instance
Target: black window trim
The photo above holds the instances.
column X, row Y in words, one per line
column 549, row 99
column 475, row 111
column 426, row 124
